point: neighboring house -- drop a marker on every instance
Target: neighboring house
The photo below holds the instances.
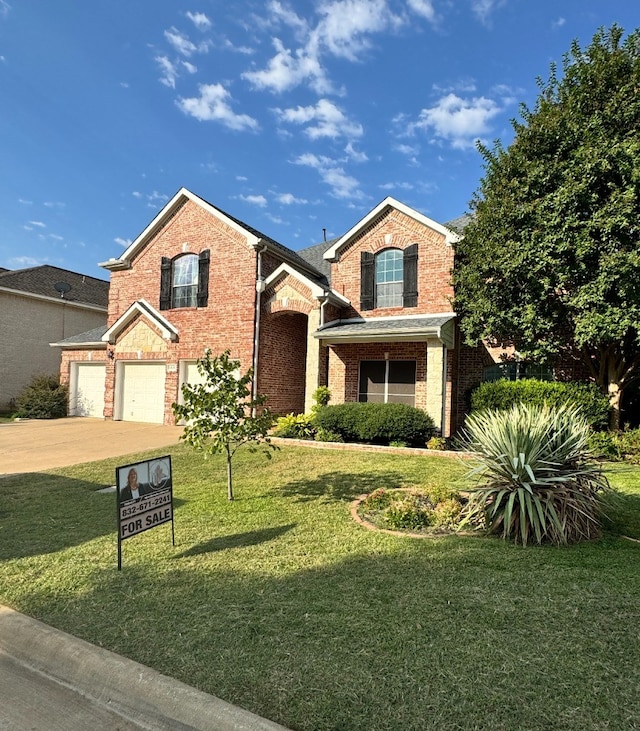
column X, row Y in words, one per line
column 367, row 314
column 38, row 305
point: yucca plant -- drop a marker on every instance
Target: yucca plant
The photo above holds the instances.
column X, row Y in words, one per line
column 535, row 481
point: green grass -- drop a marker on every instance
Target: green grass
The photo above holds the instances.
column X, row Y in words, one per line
column 281, row 603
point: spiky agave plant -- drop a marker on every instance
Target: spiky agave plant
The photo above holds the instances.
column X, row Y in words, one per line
column 535, row 479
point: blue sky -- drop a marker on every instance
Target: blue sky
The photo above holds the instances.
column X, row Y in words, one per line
column 292, row 116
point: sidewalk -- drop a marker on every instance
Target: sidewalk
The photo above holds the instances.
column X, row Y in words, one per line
column 52, row 681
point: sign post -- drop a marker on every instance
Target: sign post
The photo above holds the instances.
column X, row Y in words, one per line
column 144, row 498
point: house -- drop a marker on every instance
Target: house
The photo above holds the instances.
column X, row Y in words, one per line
column 37, row 305
column 367, row 314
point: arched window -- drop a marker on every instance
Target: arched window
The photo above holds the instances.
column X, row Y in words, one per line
column 185, row 281
column 389, row 278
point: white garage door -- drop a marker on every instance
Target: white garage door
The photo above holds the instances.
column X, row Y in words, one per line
column 88, row 397
column 143, row 392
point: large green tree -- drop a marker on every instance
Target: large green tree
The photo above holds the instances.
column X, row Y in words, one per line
column 550, row 260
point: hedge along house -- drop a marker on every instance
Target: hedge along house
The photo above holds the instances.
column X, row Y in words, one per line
column 367, row 314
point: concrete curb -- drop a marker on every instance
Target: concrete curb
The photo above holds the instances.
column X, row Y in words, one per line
column 135, row 692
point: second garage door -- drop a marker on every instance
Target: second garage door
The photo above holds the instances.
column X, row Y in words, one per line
column 143, row 392
column 87, row 399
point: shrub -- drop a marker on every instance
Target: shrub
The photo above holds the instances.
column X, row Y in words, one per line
column 437, row 443
column 377, row 423
column 410, row 512
column 503, row 395
column 324, row 435
column 446, row 514
column 294, row 426
column 321, row 396
column 606, row 445
column 536, row 481
column 378, row 500
column 43, row 398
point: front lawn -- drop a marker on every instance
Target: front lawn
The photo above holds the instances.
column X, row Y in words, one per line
column 281, row 603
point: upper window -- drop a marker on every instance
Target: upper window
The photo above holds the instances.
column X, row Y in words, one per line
column 184, row 281
column 389, row 278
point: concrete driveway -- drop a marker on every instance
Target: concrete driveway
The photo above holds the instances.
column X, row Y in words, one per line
column 35, row 445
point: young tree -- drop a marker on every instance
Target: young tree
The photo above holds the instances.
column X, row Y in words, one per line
column 551, row 259
column 220, row 415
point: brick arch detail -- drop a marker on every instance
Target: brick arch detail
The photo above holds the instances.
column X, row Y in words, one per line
column 291, row 305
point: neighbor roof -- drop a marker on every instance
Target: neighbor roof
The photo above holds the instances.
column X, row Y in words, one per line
column 42, row 280
column 90, row 337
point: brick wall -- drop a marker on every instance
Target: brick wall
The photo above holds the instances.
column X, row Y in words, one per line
column 283, row 351
column 227, row 321
column 397, row 230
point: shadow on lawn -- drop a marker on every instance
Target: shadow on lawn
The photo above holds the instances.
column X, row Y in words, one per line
column 341, row 485
column 237, row 540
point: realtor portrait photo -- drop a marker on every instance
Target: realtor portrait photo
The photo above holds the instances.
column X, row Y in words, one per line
column 133, row 482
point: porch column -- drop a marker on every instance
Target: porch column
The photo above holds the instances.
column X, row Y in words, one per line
column 314, row 348
column 436, row 365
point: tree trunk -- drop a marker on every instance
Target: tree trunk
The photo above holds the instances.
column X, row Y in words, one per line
column 615, row 394
column 229, row 476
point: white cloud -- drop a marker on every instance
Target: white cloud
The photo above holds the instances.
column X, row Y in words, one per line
column 342, row 185
column 355, row 155
column 409, row 150
column 275, row 219
column 229, row 46
column 213, row 105
column 39, row 224
column 54, row 204
column 423, row 8
column 190, row 67
column 169, row 71
column 241, row 178
column 125, row 243
column 180, row 42
column 484, row 8
column 137, row 194
column 325, row 119
column 23, row 262
column 287, row 70
column 396, row 186
column 254, row 200
column 288, row 199
column 344, row 30
column 25, row 202
column 558, row 23
column 458, row 121
column 4, row 9
column 200, row 20
column 55, row 237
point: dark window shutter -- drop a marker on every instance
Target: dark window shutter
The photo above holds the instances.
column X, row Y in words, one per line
column 203, row 278
column 165, row 284
column 367, row 280
column 410, row 266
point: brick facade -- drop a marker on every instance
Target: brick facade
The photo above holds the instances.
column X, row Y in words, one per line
column 291, row 361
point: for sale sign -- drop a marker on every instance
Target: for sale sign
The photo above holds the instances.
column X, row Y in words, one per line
column 144, row 498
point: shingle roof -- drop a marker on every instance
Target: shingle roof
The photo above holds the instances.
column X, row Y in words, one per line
column 90, row 336
column 314, row 255
column 293, row 257
column 41, row 280
column 392, row 326
column 458, row 224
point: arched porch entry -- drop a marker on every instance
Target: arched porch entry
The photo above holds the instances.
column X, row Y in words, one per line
column 283, row 358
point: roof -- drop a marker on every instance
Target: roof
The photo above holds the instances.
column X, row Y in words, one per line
column 458, row 224
column 254, row 237
column 314, row 255
column 90, row 337
column 333, row 251
column 42, row 281
column 390, row 329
